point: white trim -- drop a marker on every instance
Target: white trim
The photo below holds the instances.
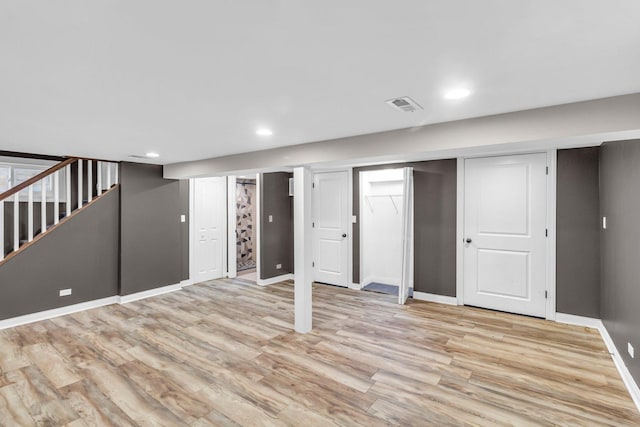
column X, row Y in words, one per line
column 276, row 279
column 355, row 286
column 350, row 232
column 230, row 251
column 192, row 201
column 552, row 156
column 460, row 232
column 56, row 312
column 571, row 319
column 629, row 382
column 150, row 293
column 440, row 299
column 187, row 282
column 256, row 223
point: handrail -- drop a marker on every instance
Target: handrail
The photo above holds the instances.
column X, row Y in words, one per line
column 35, row 179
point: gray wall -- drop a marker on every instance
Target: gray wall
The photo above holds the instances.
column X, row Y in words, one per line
column 81, row 254
column 153, row 240
column 620, row 203
column 435, row 224
column 578, row 232
column 276, row 238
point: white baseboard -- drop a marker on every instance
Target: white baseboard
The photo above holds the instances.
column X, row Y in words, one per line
column 272, row 280
column 56, row 312
column 590, row 322
column 355, row 286
column 441, row 299
column 187, row 282
column 150, row 293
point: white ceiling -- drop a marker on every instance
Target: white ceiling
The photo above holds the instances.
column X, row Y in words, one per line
column 195, row 79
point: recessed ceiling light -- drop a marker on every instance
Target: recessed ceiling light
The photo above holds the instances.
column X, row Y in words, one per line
column 457, row 93
column 152, row 155
column 264, row 132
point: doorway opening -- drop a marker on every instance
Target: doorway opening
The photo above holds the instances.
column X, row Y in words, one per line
column 386, row 231
column 246, row 250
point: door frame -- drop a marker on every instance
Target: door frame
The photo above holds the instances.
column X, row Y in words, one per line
column 349, row 172
column 550, row 286
column 192, row 240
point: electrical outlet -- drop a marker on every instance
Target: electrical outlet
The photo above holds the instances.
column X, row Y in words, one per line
column 604, row 222
column 630, row 350
column 270, row 218
column 278, row 266
column 183, row 218
column 65, row 292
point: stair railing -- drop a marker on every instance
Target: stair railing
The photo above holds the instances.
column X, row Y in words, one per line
column 48, row 188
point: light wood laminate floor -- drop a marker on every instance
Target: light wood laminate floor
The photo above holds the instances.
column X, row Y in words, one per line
column 223, row 353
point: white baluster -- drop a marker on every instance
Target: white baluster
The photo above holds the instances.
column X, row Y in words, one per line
column 108, row 176
column 56, row 197
column 116, row 167
column 16, row 221
column 1, row 230
column 68, row 185
column 89, row 180
column 43, row 205
column 99, row 178
column 30, row 213
column 79, row 184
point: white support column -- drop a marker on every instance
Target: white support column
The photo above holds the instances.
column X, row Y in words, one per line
column 302, row 180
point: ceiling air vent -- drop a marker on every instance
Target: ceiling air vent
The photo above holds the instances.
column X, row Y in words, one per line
column 405, row 104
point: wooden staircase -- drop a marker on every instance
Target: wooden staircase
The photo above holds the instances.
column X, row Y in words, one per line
column 31, row 209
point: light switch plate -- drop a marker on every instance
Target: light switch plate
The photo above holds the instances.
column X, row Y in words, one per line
column 270, row 218
column 354, row 219
column 278, row 266
column 630, row 350
column 183, row 218
column 604, row 222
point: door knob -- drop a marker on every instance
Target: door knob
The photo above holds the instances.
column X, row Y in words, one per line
column 468, row 240
column 344, row 235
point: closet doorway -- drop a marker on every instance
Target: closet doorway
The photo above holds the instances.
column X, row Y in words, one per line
column 386, row 231
column 246, row 223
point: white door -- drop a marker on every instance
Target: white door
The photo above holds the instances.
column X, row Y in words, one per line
column 505, row 210
column 331, row 227
column 209, row 218
column 407, row 237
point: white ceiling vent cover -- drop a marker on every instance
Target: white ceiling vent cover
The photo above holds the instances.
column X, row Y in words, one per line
column 405, row 104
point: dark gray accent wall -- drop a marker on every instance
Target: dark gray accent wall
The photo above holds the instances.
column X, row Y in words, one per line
column 620, row 203
column 276, row 238
column 578, row 232
column 435, row 191
column 81, row 254
column 153, row 240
